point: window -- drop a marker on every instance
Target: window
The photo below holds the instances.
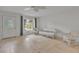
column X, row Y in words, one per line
column 28, row 24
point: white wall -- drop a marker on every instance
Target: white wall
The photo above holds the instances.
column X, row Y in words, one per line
column 17, row 17
column 0, row 27
column 66, row 21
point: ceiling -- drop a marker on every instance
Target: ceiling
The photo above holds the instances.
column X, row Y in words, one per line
column 42, row 12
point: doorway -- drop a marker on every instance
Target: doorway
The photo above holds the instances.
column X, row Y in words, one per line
column 28, row 25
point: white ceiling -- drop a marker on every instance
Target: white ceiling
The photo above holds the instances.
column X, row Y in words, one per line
column 49, row 10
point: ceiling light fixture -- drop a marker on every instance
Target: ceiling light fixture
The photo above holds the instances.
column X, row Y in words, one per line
column 35, row 8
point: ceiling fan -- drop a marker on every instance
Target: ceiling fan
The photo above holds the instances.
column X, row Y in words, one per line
column 35, row 8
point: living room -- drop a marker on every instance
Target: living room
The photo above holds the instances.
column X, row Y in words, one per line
column 39, row 29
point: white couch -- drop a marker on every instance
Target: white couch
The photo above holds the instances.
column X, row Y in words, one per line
column 47, row 33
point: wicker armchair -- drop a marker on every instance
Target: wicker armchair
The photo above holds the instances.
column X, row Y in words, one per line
column 70, row 38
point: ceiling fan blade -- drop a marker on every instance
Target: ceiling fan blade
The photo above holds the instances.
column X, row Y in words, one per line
column 35, row 8
column 38, row 7
column 28, row 8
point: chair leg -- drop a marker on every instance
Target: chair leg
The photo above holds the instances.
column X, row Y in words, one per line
column 68, row 42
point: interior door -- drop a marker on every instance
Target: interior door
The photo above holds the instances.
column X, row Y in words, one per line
column 0, row 27
column 9, row 26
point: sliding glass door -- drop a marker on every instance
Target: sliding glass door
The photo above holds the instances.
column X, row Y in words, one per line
column 9, row 26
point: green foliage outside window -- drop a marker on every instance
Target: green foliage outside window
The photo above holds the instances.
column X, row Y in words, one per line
column 28, row 25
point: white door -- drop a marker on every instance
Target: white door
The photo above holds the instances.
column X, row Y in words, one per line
column 0, row 27
column 9, row 26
